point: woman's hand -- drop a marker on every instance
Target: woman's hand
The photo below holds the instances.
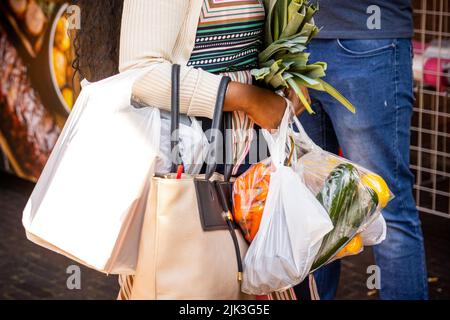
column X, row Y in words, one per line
column 296, row 103
column 263, row 106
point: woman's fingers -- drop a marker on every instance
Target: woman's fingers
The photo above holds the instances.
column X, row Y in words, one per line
column 296, row 103
column 268, row 110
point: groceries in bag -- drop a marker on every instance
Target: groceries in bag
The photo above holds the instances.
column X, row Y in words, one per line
column 349, row 204
column 249, row 197
column 292, row 224
column 351, row 195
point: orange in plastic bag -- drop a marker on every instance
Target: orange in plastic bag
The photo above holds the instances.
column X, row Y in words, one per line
column 354, row 246
column 249, row 197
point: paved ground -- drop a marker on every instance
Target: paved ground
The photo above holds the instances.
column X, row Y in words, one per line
column 30, row 272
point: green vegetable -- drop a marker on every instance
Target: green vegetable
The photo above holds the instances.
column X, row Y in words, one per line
column 284, row 63
column 349, row 205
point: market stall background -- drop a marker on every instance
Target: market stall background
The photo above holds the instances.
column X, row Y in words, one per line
column 430, row 132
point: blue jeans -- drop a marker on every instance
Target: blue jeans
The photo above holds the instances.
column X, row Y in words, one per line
column 376, row 76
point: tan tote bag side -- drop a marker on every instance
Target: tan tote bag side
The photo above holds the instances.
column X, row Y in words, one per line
column 180, row 257
column 177, row 259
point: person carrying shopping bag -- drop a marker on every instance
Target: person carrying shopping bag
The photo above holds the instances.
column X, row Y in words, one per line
column 209, row 39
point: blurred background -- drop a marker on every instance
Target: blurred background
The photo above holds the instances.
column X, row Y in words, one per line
column 37, row 82
column 37, row 91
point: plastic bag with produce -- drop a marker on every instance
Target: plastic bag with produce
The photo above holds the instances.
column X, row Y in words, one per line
column 249, row 196
column 352, row 195
column 373, row 234
column 292, row 223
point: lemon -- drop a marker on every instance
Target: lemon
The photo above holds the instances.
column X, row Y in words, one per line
column 342, row 253
column 377, row 184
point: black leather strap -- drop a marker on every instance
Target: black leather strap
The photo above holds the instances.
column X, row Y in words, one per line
column 228, row 126
column 216, row 122
column 215, row 128
column 175, row 116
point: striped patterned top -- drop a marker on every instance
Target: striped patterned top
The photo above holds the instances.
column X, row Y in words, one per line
column 229, row 35
column 228, row 40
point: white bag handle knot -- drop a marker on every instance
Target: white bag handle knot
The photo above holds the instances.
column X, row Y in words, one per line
column 277, row 141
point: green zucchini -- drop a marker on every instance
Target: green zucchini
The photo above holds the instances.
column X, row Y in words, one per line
column 349, row 204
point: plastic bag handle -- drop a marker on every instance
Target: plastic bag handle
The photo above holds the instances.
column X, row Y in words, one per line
column 303, row 135
column 277, row 141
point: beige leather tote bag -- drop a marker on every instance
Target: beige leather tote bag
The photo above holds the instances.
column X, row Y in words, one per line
column 190, row 247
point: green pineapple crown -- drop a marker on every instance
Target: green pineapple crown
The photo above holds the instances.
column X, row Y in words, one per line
column 284, row 63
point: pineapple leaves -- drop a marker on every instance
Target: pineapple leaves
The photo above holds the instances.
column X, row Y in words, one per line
column 301, row 96
column 337, row 95
column 284, row 63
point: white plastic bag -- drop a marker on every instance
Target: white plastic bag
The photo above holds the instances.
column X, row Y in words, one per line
column 327, row 176
column 375, row 232
column 291, row 230
column 193, row 145
column 370, row 234
column 89, row 201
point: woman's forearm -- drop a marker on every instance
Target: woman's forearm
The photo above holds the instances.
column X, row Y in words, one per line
column 241, row 97
column 265, row 107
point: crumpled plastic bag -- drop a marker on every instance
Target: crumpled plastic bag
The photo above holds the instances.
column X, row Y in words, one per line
column 291, row 230
column 193, row 145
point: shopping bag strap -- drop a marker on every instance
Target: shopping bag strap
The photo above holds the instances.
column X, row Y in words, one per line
column 214, row 142
column 175, row 117
column 228, row 126
column 213, row 139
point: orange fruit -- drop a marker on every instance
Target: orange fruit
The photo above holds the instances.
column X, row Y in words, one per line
column 353, row 247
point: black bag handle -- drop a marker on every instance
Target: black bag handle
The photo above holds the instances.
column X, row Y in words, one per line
column 228, row 126
column 215, row 128
column 175, row 117
column 211, row 161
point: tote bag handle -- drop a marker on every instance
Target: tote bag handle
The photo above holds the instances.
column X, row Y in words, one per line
column 214, row 142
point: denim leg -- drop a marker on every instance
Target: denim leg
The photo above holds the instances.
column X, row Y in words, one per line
column 376, row 76
column 319, row 127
